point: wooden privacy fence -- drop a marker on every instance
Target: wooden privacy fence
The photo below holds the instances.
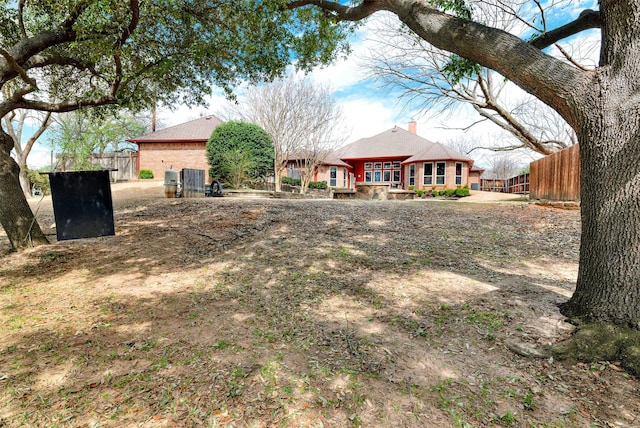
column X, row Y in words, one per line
column 126, row 164
column 557, row 176
column 518, row 184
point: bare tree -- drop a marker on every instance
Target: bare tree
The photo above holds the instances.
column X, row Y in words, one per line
column 502, row 166
column 432, row 79
column 14, row 125
column 303, row 120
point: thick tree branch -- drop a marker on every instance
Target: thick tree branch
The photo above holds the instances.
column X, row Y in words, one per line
column 498, row 149
column 13, row 65
column 30, row 46
column 40, row 61
column 23, row 31
column 134, row 7
column 588, row 19
column 342, row 12
column 62, row 107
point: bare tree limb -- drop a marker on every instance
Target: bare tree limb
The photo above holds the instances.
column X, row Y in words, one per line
column 588, row 19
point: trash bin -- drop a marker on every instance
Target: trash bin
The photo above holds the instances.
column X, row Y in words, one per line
column 170, row 183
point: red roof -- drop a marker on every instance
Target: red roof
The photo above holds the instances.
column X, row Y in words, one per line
column 195, row 130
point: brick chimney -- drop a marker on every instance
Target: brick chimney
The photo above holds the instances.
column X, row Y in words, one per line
column 413, row 127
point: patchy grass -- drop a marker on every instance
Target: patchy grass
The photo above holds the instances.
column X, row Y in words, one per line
column 222, row 312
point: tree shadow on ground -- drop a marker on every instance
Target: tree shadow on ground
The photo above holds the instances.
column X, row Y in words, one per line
column 371, row 315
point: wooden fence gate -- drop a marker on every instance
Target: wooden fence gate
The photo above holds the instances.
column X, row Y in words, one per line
column 192, row 183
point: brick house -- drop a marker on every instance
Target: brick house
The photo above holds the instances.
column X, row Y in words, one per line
column 400, row 159
column 180, row 146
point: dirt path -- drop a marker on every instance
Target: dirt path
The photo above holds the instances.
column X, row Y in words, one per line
column 257, row 312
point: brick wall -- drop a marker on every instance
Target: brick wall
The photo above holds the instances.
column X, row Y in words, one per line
column 158, row 157
column 449, row 176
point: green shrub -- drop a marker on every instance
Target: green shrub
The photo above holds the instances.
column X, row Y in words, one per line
column 462, row 191
column 145, row 174
column 317, row 184
column 449, row 192
column 40, row 180
column 420, row 193
column 290, row 181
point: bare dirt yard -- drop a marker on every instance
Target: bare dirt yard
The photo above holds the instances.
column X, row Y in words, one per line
column 259, row 312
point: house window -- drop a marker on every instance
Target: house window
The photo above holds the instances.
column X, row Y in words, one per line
column 458, row 174
column 412, row 175
column 386, row 175
column 440, row 168
column 396, row 164
column 333, row 176
column 387, row 165
column 368, row 165
column 377, row 165
column 427, row 177
column 344, row 178
column 367, row 176
column 377, row 176
column 396, row 176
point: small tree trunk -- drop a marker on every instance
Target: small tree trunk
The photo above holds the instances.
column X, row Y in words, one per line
column 304, row 182
column 16, row 216
column 277, row 172
column 25, row 183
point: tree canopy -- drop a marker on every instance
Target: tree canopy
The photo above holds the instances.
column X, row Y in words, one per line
column 77, row 135
column 57, row 56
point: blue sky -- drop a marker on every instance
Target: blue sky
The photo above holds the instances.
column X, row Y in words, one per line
column 368, row 110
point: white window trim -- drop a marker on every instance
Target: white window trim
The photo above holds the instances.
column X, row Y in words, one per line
column 424, row 175
column 334, row 179
column 461, row 173
column 444, row 176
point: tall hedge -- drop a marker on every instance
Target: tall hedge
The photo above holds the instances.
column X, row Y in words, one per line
column 234, row 136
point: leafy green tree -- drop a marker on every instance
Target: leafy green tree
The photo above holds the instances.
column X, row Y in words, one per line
column 80, row 134
column 245, row 144
column 57, row 56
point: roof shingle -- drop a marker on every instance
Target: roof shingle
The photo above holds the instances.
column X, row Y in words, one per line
column 195, row 130
column 395, row 142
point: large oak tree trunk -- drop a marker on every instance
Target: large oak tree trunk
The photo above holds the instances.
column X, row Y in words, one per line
column 608, row 287
column 16, row 216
